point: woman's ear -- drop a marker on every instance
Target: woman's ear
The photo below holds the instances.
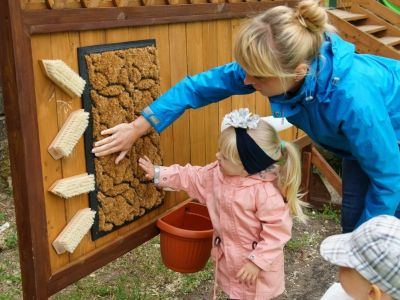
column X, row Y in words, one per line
column 374, row 293
column 301, row 71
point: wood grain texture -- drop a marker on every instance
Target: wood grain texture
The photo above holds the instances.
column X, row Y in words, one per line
column 201, row 38
column 25, row 158
column 59, row 20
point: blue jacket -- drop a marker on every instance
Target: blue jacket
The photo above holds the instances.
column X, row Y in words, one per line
column 349, row 104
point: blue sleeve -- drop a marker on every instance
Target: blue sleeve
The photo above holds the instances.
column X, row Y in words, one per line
column 373, row 143
column 196, row 91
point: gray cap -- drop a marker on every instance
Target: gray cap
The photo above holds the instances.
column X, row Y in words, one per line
column 373, row 249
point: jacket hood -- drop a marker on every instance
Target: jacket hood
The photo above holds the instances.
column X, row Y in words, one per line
column 333, row 63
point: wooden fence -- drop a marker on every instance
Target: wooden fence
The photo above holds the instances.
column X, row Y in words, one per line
column 190, row 38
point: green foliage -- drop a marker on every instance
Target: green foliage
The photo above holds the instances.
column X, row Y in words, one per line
column 192, row 281
column 11, row 239
column 12, row 278
column 330, row 213
column 302, row 242
column 7, row 296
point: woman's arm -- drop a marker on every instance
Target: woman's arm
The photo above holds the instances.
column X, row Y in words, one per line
column 197, row 91
column 191, row 92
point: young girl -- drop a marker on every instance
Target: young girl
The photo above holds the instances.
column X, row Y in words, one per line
column 347, row 102
column 251, row 219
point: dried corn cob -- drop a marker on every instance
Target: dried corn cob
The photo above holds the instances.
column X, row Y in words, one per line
column 68, row 136
column 73, row 233
column 63, row 76
column 73, row 186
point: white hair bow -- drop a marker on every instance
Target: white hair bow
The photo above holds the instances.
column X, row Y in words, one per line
column 240, row 118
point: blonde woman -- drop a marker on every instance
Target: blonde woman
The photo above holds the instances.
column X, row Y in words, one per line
column 348, row 103
column 252, row 221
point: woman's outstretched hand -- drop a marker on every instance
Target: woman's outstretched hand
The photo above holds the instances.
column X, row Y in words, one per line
column 121, row 138
column 147, row 166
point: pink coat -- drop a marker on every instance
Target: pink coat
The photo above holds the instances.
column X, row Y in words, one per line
column 249, row 217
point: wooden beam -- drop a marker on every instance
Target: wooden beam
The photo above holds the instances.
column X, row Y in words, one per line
column 26, row 169
column 306, row 171
column 40, row 21
column 381, row 11
column 302, row 142
column 320, row 163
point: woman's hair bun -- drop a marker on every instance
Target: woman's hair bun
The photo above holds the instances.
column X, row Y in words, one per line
column 311, row 15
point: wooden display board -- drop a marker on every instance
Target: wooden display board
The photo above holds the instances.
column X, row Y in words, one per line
column 190, row 38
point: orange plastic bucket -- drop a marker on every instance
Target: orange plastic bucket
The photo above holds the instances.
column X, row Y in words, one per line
column 186, row 238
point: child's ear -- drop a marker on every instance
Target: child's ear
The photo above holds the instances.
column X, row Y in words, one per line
column 374, row 293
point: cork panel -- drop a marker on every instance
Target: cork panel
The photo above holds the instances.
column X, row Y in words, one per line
column 122, row 83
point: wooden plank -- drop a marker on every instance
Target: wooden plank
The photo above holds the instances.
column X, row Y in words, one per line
column 181, row 127
column 125, row 3
column 224, row 48
column 96, row 3
column 320, row 163
column 319, row 195
column 48, row 128
column 210, row 59
column 241, row 101
column 26, row 169
column 98, row 18
column 347, row 15
column 194, row 45
column 306, row 173
column 382, row 11
column 365, row 43
column 61, row 4
column 161, row 34
column 155, row 2
column 64, row 46
column 390, row 29
column 390, row 40
column 302, row 142
column 370, row 28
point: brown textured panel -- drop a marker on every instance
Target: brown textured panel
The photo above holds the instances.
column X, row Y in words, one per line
column 123, row 83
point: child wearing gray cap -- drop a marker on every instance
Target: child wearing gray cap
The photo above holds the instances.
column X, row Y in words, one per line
column 368, row 259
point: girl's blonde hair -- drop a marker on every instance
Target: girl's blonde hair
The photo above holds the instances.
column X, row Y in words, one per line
column 275, row 42
column 288, row 158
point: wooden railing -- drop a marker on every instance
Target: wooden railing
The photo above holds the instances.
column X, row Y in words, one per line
column 315, row 190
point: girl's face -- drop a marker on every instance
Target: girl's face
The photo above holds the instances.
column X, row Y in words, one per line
column 271, row 86
column 229, row 168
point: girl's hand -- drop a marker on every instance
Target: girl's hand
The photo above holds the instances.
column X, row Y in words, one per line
column 147, row 166
column 121, row 138
column 248, row 273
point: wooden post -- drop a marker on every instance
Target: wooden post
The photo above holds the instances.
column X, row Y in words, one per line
column 20, row 110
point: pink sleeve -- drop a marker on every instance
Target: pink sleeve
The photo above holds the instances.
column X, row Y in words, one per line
column 276, row 222
column 190, row 179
